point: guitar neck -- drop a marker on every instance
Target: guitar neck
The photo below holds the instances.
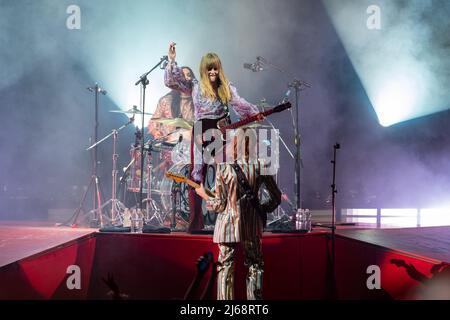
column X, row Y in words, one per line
column 254, row 117
column 195, row 185
column 245, row 121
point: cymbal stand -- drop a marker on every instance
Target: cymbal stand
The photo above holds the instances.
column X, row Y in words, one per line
column 117, row 208
column 151, row 210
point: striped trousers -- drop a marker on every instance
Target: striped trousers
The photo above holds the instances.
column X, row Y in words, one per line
column 225, row 269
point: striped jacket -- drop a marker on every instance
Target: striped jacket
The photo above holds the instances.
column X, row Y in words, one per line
column 237, row 220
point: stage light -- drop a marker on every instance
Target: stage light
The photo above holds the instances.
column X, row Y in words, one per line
column 399, row 218
column 117, row 55
column 395, row 101
column 435, row 217
column 401, row 62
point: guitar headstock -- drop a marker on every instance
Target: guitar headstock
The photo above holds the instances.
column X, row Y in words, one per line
column 176, row 177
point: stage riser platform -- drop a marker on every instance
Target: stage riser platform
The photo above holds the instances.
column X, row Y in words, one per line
column 162, row 266
column 353, row 259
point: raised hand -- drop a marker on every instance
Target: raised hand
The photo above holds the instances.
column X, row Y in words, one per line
column 203, row 262
column 172, row 51
column 437, row 267
column 398, row 262
column 111, row 283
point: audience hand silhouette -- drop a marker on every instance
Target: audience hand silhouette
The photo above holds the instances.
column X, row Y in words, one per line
column 114, row 288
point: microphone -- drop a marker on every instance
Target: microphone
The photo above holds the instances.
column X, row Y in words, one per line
column 100, row 90
column 250, row 66
column 165, row 62
column 286, row 96
column 255, row 67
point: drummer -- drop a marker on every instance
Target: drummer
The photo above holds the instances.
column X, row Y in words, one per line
column 174, row 104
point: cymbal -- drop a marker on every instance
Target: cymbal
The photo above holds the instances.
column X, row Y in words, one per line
column 133, row 110
column 176, row 122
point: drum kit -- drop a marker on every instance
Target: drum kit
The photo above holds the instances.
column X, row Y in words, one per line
column 166, row 202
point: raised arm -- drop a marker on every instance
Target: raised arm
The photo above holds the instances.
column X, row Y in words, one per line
column 242, row 107
column 173, row 75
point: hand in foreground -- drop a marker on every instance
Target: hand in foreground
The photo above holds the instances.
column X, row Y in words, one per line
column 398, row 262
column 111, row 283
column 203, row 262
column 172, row 51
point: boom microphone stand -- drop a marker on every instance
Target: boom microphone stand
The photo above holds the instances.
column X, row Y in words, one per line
column 144, row 82
column 94, row 180
column 262, row 104
column 297, row 85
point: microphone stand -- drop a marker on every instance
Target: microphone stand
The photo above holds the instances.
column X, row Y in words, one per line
column 297, row 85
column 94, row 180
column 281, row 138
column 144, row 82
column 298, row 205
column 333, row 224
column 278, row 216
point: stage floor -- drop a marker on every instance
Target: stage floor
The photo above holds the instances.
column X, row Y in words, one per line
column 34, row 257
column 425, row 242
column 19, row 240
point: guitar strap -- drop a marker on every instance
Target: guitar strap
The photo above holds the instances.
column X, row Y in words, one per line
column 248, row 193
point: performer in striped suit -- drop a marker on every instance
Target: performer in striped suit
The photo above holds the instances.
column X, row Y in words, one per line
column 238, row 221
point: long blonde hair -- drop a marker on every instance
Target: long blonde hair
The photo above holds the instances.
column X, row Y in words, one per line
column 223, row 90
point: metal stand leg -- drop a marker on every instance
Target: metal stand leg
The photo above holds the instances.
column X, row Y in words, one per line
column 73, row 221
column 152, row 212
column 117, row 208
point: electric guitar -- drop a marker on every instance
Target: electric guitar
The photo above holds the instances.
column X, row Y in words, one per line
column 178, row 178
column 253, row 118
